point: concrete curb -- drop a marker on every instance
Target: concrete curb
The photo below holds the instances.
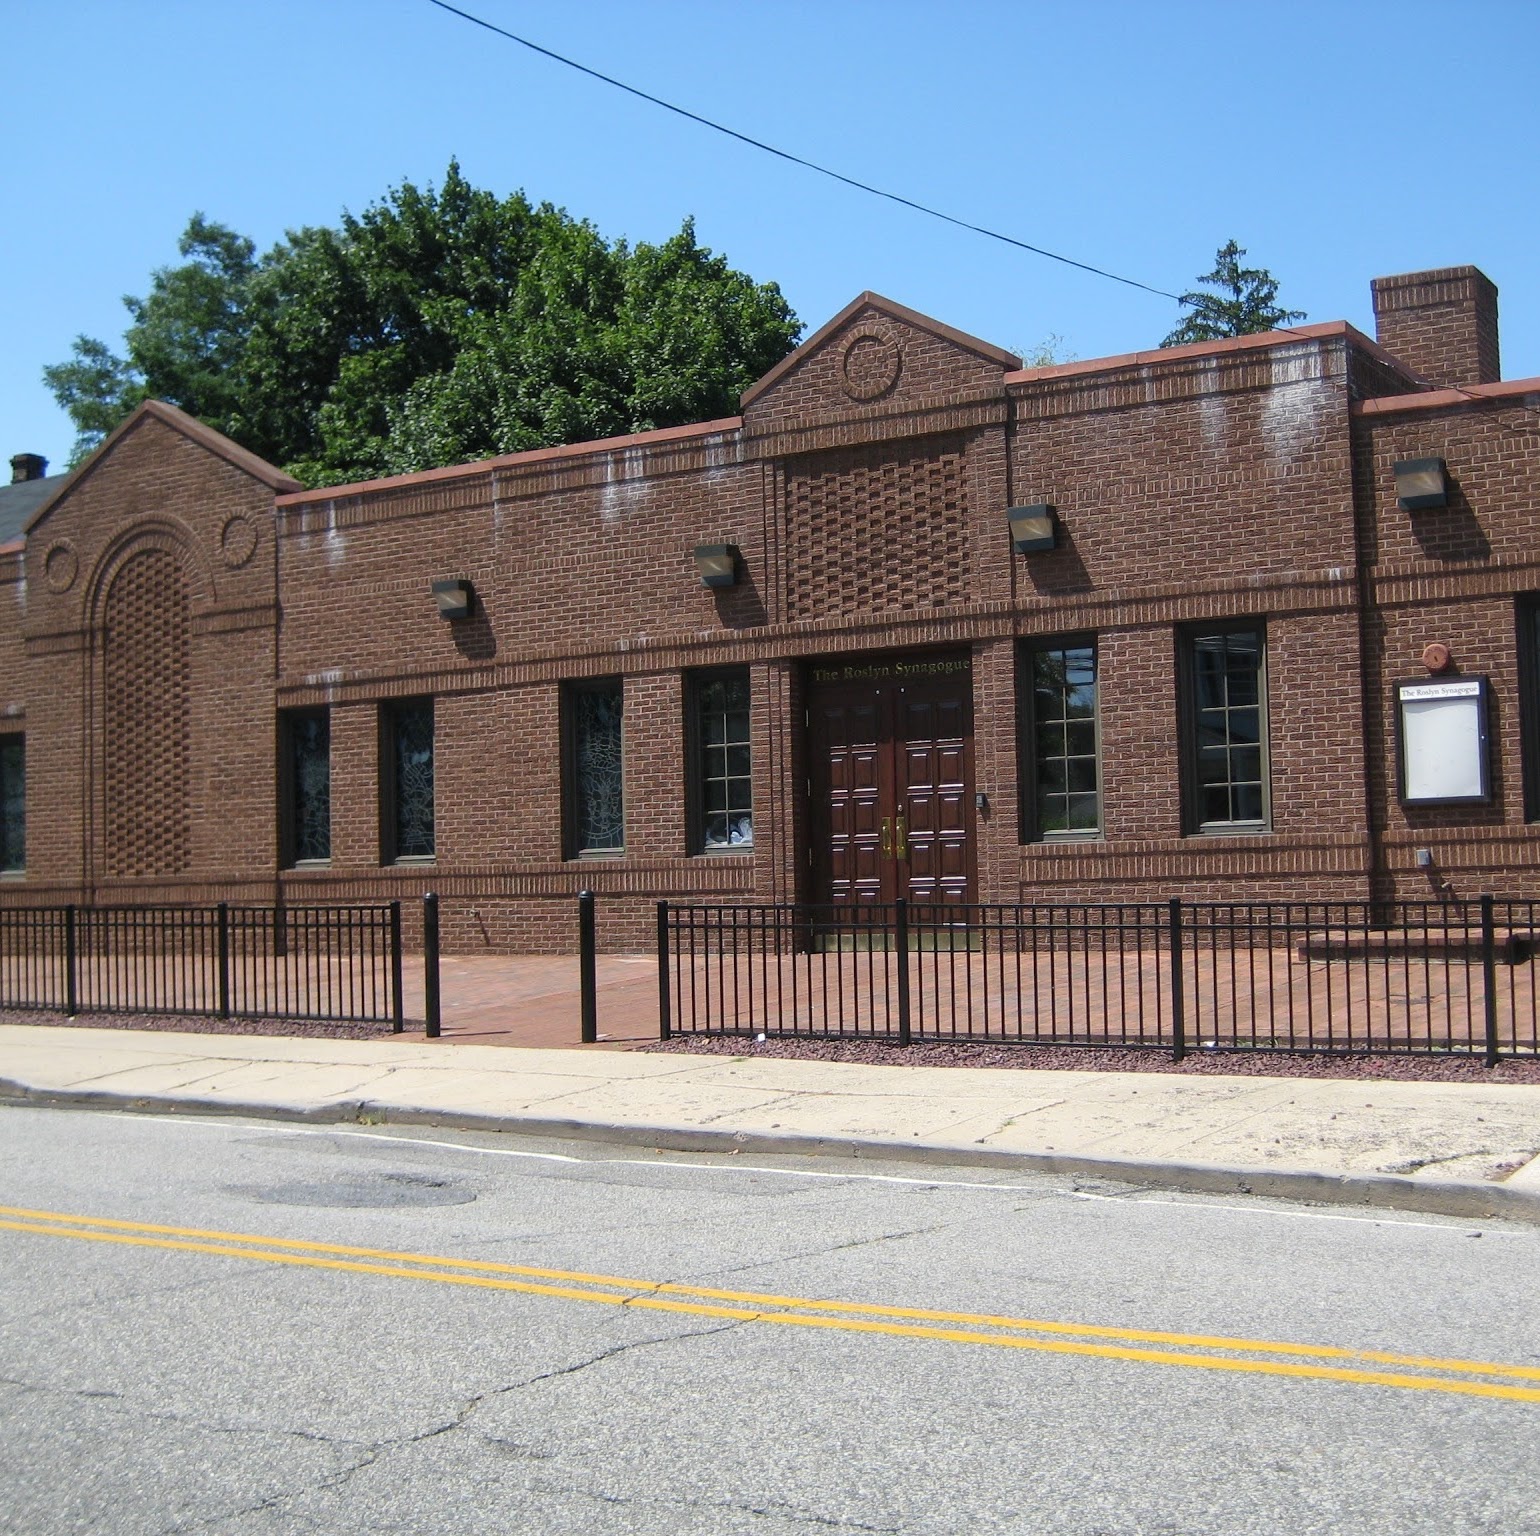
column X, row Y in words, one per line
column 1382, row 1191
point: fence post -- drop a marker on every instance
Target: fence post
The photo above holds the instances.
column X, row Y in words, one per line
column 588, row 982
column 901, row 938
column 1178, row 1011
column 398, row 1003
column 71, row 965
column 430, row 999
column 665, row 1003
column 224, row 960
column 1489, row 977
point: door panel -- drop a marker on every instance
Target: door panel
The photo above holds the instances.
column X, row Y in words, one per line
column 890, row 754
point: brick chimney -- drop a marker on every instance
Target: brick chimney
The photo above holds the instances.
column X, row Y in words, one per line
column 1443, row 324
column 28, row 466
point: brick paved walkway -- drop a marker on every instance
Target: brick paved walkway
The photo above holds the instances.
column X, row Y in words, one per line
column 532, row 1000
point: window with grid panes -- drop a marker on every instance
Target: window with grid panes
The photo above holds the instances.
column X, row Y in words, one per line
column 723, row 768
column 1225, row 729
column 1064, row 781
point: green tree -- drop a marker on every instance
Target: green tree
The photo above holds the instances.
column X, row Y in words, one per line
column 439, row 326
column 184, row 343
column 1243, row 302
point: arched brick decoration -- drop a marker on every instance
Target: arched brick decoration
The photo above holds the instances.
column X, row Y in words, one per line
column 145, row 716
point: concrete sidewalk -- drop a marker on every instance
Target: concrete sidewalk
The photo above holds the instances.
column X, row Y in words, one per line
column 1458, row 1148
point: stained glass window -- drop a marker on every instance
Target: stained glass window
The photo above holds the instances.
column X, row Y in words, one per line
column 724, row 782
column 411, row 762
column 13, row 803
column 307, row 738
column 1062, row 728
column 596, row 789
column 1227, row 749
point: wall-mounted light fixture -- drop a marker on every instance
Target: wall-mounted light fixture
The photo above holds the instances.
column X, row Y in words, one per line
column 1421, row 484
column 1033, row 528
column 717, row 564
column 454, row 598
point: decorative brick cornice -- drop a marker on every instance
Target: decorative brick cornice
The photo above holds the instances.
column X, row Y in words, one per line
column 640, row 455
column 857, row 427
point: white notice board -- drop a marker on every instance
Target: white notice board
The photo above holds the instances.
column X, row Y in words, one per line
column 1443, row 738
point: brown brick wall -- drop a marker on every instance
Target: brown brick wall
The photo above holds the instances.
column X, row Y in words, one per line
column 1454, row 574
column 876, row 364
column 149, row 603
column 1443, row 324
column 1192, row 489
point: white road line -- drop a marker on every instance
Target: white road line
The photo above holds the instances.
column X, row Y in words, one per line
column 1195, row 1203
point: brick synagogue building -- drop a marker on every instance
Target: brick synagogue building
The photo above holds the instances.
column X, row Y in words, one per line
column 1257, row 618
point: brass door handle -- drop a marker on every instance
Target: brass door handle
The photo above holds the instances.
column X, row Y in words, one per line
column 901, row 841
column 887, row 837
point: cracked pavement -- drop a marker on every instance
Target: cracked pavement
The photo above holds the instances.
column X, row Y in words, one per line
column 158, row 1391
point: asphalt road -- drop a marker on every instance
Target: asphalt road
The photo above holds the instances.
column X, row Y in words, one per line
column 251, row 1370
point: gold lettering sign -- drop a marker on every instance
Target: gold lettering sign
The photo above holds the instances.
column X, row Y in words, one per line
column 873, row 672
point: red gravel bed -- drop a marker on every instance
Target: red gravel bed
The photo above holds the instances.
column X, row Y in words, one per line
column 310, row 1029
column 1068, row 1058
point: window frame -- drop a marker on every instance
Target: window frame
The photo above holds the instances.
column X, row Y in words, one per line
column 391, row 713
column 696, row 684
column 1189, row 637
column 17, row 739
column 288, row 789
column 1032, row 830
column 571, row 690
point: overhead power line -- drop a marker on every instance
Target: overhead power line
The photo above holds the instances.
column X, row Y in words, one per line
column 811, row 165
column 849, row 181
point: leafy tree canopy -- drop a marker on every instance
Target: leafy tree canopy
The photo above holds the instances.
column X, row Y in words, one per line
column 438, row 327
column 1243, row 302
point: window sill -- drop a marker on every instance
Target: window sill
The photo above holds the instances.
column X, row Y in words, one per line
column 413, row 861
column 590, row 855
column 300, row 865
column 1231, row 829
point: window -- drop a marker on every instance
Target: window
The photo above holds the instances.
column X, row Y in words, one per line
column 596, row 819
column 305, row 784
column 1225, row 730
column 406, row 781
column 723, row 786
column 13, row 804
column 1062, row 791
column 1529, row 700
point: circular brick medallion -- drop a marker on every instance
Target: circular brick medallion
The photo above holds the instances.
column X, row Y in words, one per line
column 237, row 542
column 872, row 365
column 60, row 566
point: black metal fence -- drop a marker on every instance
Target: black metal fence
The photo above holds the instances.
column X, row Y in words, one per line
column 337, row 963
column 1413, row 977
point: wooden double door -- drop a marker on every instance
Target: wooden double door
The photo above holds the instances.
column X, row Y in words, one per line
column 890, row 779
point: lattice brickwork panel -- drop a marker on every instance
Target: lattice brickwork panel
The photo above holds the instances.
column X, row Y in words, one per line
column 870, row 531
column 146, row 718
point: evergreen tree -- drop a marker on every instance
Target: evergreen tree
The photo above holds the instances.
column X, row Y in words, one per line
column 1243, row 303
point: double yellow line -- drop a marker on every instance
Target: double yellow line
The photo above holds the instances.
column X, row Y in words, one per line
column 1314, row 1362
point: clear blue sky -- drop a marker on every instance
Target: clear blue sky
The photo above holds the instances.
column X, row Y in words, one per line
column 1337, row 142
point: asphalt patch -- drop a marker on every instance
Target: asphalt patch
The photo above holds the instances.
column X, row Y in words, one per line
column 369, row 1191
